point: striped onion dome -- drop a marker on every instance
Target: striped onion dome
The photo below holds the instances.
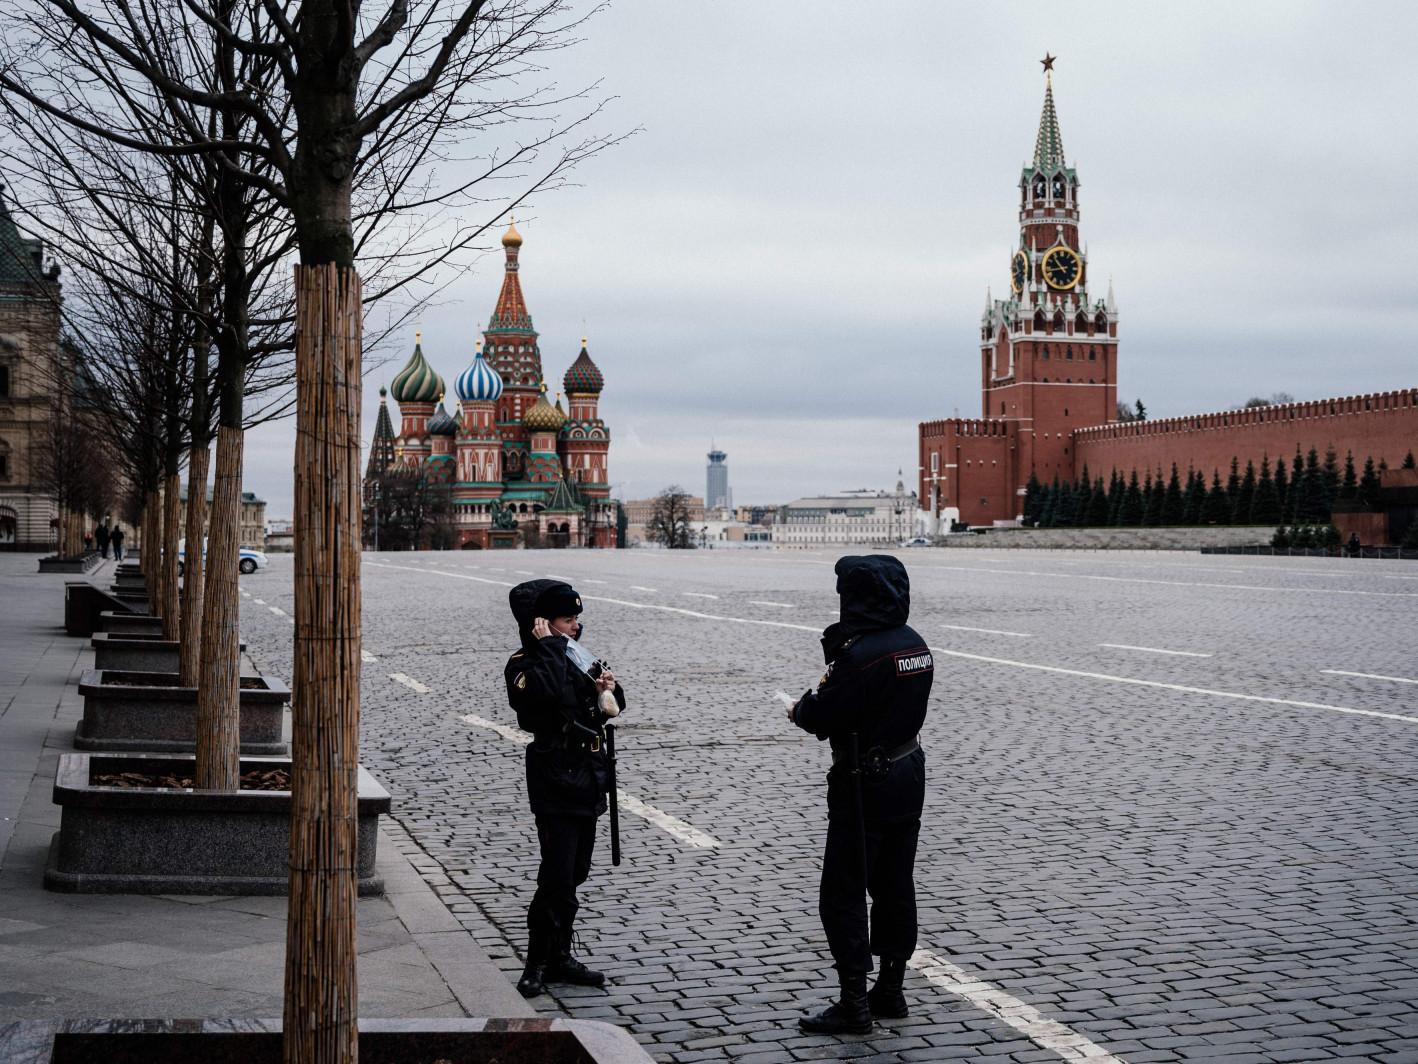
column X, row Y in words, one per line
column 442, row 424
column 584, row 377
column 543, row 417
column 417, row 382
column 479, row 382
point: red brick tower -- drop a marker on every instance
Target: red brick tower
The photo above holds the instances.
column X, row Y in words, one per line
column 585, row 439
column 1048, row 353
column 512, row 351
column 1048, row 356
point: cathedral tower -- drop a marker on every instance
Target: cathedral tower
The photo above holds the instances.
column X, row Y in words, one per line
column 585, row 439
column 512, row 351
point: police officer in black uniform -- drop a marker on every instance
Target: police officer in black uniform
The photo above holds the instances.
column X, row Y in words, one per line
column 555, row 697
column 878, row 680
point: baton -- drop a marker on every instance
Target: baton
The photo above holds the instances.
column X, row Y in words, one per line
column 613, row 799
column 856, row 777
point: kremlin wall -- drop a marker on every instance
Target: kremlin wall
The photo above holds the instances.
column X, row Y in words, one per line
column 1049, row 360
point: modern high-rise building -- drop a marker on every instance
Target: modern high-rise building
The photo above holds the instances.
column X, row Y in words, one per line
column 716, row 491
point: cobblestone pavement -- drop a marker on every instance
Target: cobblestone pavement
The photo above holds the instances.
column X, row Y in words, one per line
column 1154, row 856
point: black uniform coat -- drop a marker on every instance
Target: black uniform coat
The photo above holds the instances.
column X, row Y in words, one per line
column 878, row 680
column 550, row 694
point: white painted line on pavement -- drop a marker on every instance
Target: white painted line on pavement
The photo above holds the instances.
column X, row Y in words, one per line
column 259, row 602
column 1172, row 583
column 365, row 655
column 277, row 611
column 291, row 619
column 784, row 605
column 593, row 581
column 409, row 682
column 698, row 594
column 246, row 594
column 1156, row 650
column 670, row 825
column 1027, row 1020
column 516, row 735
column 1369, row 676
column 987, row 631
column 524, row 572
column 1176, row 686
column 637, row 587
column 673, row 826
column 981, row 657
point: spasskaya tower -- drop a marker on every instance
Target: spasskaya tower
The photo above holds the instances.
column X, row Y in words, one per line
column 1048, row 355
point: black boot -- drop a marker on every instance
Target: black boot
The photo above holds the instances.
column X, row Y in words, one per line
column 533, row 981
column 567, row 969
column 886, row 1000
column 850, row 1015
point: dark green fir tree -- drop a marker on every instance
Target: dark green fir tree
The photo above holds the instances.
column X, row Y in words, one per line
column 1051, row 500
column 1409, row 463
column 1153, row 498
column 1349, row 486
column 1282, row 489
column 1116, row 490
column 1265, row 507
column 1233, row 483
column 1172, row 501
column 1082, row 500
column 1064, row 510
column 1329, row 478
column 1132, row 509
column 1241, row 508
column 1217, row 510
column 1033, row 491
column 1098, row 505
column 1194, row 498
column 1368, row 489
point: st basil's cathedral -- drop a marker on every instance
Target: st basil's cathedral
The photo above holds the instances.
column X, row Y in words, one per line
column 515, row 461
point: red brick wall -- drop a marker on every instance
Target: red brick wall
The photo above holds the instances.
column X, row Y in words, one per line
column 1381, row 426
column 975, row 467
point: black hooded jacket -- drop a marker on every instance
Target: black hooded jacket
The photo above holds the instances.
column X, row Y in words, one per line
column 567, row 770
column 878, row 680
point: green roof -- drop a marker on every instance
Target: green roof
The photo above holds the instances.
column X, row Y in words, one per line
column 563, row 499
column 1048, row 146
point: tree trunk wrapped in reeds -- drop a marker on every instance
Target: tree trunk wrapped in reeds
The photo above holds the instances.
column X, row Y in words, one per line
column 321, row 994
column 218, row 765
column 167, row 565
column 189, row 646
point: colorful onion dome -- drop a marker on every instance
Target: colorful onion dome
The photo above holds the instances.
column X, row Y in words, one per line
column 442, row 423
column 479, row 382
column 511, row 238
column 416, row 382
column 543, row 417
column 584, row 377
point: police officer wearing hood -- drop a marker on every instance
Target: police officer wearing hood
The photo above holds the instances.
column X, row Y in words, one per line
column 554, row 685
column 875, row 689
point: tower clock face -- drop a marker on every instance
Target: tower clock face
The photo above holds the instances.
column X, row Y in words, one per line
column 1019, row 271
column 1062, row 268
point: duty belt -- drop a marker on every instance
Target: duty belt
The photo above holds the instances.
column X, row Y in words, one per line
column 887, row 757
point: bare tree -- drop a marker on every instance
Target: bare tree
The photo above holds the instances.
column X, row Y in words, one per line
column 670, row 520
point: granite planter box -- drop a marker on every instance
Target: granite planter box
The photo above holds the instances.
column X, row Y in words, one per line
column 121, row 840
column 510, row 1041
column 74, row 563
column 137, row 601
column 148, row 712
column 125, row 622
column 136, row 652
column 85, row 605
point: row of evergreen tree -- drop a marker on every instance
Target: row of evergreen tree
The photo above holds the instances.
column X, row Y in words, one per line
column 1302, row 493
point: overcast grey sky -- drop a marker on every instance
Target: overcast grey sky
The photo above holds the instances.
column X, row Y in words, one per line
column 792, row 254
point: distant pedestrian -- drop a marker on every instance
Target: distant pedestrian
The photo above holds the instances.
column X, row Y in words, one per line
column 870, row 704
column 102, row 536
column 559, row 692
column 1355, row 547
column 88, row 541
column 116, row 537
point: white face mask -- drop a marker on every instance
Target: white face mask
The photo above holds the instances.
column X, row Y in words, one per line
column 579, row 655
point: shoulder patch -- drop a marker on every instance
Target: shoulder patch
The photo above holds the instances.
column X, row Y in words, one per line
column 910, row 662
column 521, row 682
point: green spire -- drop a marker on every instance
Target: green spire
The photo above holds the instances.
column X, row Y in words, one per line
column 1048, row 147
column 563, row 499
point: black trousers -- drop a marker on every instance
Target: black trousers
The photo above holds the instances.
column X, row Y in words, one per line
column 842, row 902
column 567, row 842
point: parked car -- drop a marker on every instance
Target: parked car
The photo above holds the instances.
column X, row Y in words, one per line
column 917, row 541
column 249, row 561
